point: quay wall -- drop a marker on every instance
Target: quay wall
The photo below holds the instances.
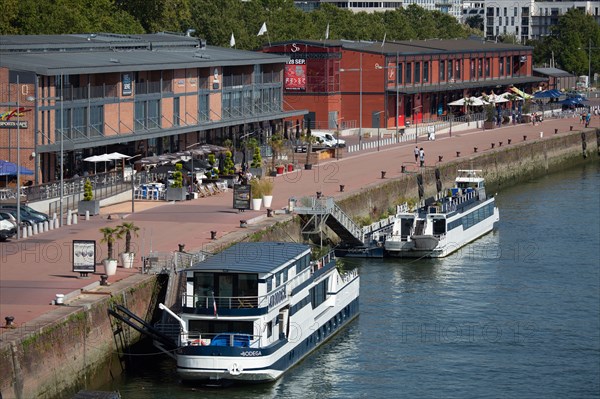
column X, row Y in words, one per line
column 72, row 347
column 501, row 166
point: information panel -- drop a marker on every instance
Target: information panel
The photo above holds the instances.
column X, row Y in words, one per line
column 241, row 196
column 84, row 256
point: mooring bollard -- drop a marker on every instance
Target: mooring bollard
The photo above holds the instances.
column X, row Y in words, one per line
column 9, row 322
column 34, row 229
column 500, row 144
column 87, row 215
column 69, row 217
column 493, row 145
column 555, row 131
column 541, row 135
column 29, row 231
column 509, row 140
column 213, row 235
column 56, row 223
column 524, row 138
column 342, row 188
column 269, row 212
column 570, row 128
column 41, row 227
column 474, row 149
column 104, row 279
column 402, row 169
column 243, row 223
column 24, row 235
column 457, row 154
column 74, row 218
column 383, row 174
column 319, row 194
column 440, row 157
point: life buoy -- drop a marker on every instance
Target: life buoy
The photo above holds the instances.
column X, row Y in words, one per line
column 196, row 342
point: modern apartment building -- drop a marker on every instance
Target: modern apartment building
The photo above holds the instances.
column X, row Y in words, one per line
column 530, row 19
column 88, row 94
column 452, row 7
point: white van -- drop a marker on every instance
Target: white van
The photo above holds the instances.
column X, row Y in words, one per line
column 327, row 139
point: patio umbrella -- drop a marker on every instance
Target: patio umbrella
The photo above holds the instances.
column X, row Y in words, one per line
column 10, row 169
column 97, row 158
column 244, row 160
column 471, row 101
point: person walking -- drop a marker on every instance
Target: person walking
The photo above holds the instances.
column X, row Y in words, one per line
column 422, row 156
column 416, row 154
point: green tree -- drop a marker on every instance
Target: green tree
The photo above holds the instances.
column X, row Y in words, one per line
column 475, row 22
column 159, row 15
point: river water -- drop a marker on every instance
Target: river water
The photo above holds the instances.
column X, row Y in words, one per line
column 514, row 314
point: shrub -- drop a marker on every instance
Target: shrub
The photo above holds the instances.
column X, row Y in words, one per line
column 177, row 176
column 256, row 158
column 228, row 167
column 266, row 187
column 256, row 187
column 88, row 190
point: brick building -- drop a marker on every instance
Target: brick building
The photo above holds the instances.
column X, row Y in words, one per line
column 343, row 83
column 140, row 94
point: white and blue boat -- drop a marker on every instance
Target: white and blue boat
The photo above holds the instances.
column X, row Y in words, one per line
column 434, row 230
column 253, row 311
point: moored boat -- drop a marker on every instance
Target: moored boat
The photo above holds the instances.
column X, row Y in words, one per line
column 438, row 228
column 257, row 309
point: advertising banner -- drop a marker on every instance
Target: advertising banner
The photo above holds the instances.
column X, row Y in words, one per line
column 295, row 75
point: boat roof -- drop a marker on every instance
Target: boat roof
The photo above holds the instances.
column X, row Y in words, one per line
column 469, row 175
column 253, row 257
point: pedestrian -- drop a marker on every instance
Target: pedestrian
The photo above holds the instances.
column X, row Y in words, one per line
column 422, row 156
column 416, row 154
column 588, row 118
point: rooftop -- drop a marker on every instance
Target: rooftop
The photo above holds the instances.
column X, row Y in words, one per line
column 253, row 257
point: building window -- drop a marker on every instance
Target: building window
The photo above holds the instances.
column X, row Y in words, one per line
column 203, row 107
column 458, row 71
column 487, row 67
column 408, row 73
column 417, row 72
column 501, row 62
column 399, row 74
column 442, row 70
column 426, row 72
column 97, row 120
column 176, row 116
column 450, row 69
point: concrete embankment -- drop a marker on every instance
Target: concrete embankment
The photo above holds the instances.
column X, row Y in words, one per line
column 73, row 346
column 75, row 350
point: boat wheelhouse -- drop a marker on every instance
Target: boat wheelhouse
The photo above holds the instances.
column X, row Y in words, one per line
column 438, row 228
column 254, row 310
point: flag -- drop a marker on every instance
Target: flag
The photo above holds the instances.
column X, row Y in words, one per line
column 383, row 42
column 215, row 304
column 232, row 41
column 327, row 33
column 263, row 29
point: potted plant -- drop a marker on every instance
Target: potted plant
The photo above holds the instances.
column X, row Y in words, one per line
column 489, row 112
column 88, row 204
column 266, row 190
column 176, row 191
column 276, row 143
column 228, row 171
column 255, row 191
column 109, row 236
column 128, row 229
column 256, row 165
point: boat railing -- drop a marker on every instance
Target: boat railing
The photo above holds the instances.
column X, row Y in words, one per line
column 349, row 275
column 459, row 201
column 240, row 340
column 225, row 302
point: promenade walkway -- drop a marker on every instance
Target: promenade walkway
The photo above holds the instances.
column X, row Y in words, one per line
column 34, row 270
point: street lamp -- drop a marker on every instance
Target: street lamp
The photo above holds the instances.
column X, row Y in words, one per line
column 360, row 93
column 397, row 93
column 416, row 122
column 378, row 126
column 192, row 159
column 62, row 143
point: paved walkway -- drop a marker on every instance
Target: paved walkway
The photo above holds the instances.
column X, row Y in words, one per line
column 34, row 270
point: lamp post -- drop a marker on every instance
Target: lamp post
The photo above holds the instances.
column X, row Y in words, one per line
column 360, row 93
column 133, row 182
column 416, row 122
column 378, row 126
column 192, row 158
column 397, row 92
column 62, row 143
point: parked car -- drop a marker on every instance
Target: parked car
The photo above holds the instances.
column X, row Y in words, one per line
column 28, row 215
column 7, row 229
column 328, row 140
column 5, row 215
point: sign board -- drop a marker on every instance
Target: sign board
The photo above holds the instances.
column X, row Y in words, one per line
column 295, row 75
column 241, row 196
column 127, row 84
column 13, row 124
column 84, row 256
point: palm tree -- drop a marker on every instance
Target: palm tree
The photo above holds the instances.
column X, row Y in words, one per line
column 128, row 229
column 109, row 236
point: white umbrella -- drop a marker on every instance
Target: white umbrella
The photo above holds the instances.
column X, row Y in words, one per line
column 493, row 99
column 98, row 158
column 116, row 155
column 508, row 95
column 471, row 101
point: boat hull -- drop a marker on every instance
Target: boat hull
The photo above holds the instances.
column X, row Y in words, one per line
column 216, row 365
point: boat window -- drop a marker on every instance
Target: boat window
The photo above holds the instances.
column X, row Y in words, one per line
column 221, row 326
column 203, row 286
column 318, row 294
column 278, row 279
column 285, row 276
column 247, row 285
column 269, row 283
column 439, row 226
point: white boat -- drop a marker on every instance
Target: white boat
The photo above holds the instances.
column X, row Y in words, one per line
column 257, row 309
column 461, row 215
